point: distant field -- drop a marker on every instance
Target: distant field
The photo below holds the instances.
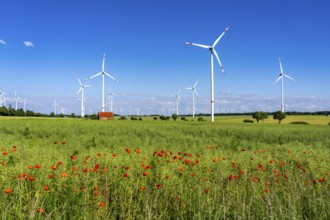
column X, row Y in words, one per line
column 84, row 169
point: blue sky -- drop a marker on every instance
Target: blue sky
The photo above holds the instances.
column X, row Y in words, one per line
column 144, row 46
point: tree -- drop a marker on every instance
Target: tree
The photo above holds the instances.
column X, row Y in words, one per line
column 52, row 114
column 175, row 116
column 279, row 116
column 260, row 116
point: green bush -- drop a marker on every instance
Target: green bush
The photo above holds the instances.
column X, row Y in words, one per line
column 299, row 123
column 201, row 119
column 248, row 121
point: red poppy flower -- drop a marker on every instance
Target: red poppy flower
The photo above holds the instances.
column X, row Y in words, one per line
column 73, row 157
column 3, row 163
column 159, row 186
column 39, row 210
column 101, row 205
column 8, row 190
column 125, row 175
column 38, row 166
column 54, row 167
column 46, row 188
column 145, row 174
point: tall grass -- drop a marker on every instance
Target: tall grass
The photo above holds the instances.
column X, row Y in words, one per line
column 162, row 170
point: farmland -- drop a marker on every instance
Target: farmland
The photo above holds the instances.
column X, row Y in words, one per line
column 83, row 169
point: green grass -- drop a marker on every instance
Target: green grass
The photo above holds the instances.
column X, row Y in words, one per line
column 191, row 163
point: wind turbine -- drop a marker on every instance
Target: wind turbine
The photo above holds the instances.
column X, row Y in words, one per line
column 193, row 93
column 177, row 101
column 282, row 89
column 212, row 52
column 16, row 98
column 110, row 99
column 55, row 104
column 102, row 73
column 81, row 89
column 24, row 104
column 3, row 98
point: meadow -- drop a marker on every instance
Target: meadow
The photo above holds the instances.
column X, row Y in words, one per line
column 84, row 169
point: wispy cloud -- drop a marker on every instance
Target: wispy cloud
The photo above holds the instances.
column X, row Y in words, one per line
column 28, row 44
column 2, row 42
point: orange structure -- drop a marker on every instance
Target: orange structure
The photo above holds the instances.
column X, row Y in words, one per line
column 105, row 115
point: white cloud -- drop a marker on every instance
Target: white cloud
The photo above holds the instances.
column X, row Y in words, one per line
column 28, row 44
column 2, row 42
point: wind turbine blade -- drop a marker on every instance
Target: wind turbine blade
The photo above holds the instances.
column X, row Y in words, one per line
column 195, row 83
column 103, row 62
column 217, row 40
column 278, row 79
column 110, row 76
column 79, row 82
column 216, row 55
column 198, row 45
column 94, row 76
column 78, row 91
column 280, row 65
column 289, row 77
column 189, row 88
column 196, row 91
column 87, row 86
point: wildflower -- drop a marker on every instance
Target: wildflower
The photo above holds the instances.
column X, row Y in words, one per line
column 46, row 188
column 39, row 210
column 54, row 167
column 96, row 167
column 306, row 183
column 74, row 168
column 125, row 175
column 63, row 142
column 73, row 157
column 31, row 178
column 137, row 151
column 242, row 172
column 145, row 174
column 3, row 163
column 114, row 155
column 4, row 153
column 322, row 180
column 9, row 190
column 142, row 188
column 207, row 190
column 267, row 183
column 128, row 150
column 315, row 181
column 38, row 166
column 59, row 163
column 267, row 190
column 101, row 205
column 55, row 142
column 181, row 169
column 86, row 170
column 159, row 186
column 50, row 176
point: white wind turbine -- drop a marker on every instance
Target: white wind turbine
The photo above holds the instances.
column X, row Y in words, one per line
column 16, row 99
column 193, row 94
column 81, row 89
column 3, row 98
column 24, row 104
column 110, row 99
column 212, row 52
column 102, row 73
column 177, row 101
column 282, row 89
column 55, row 104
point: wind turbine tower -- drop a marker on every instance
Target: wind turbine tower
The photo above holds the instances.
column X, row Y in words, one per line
column 282, row 88
column 81, row 89
column 55, row 104
column 193, row 94
column 102, row 73
column 212, row 52
column 16, row 98
column 177, row 101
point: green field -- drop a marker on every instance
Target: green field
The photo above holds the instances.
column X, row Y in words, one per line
column 84, row 169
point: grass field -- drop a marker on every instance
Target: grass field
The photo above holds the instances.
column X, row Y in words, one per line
column 82, row 169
